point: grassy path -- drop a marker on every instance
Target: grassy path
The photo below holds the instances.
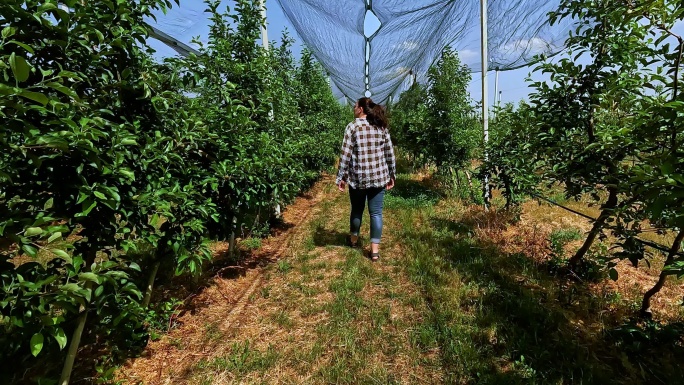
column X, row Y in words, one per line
column 321, row 313
column 443, row 305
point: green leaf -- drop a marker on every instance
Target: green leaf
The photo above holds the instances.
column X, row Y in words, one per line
column 127, row 173
column 60, row 337
column 613, row 274
column 129, row 142
column 47, row 7
column 65, row 90
column 92, row 277
column 20, row 67
column 48, row 205
column 33, row 231
column 100, row 36
column 54, row 142
column 8, row 32
column 61, row 253
column 154, row 220
column 37, row 344
column 55, row 236
column 22, row 45
column 35, row 96
column 30, row 250
column 88, row 206
column 71, row 287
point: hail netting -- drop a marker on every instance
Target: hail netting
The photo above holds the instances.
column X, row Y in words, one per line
column 412, row 35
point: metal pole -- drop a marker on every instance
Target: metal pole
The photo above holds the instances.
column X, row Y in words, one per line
column 485, row 112
column 264, row 30
column 496, row 86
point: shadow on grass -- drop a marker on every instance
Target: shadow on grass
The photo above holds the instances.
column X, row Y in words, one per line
column 325, row 237
column 513, row 323
column 409, row 193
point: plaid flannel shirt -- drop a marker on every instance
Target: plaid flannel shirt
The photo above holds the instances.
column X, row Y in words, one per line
column 367, row 158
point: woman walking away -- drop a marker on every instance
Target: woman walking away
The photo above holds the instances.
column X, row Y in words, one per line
column 368, row 166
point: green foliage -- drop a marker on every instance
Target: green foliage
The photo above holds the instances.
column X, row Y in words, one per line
column 512, row 159
column 410, row 119
column 437, row 124
column 593, row 127
column 112, row 164
column 632, row 104
column 658, row 175
column 582, row 132
column 70, row 138
column 321, row 115
column 609, row 129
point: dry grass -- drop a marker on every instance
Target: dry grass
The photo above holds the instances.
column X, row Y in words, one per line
column 530, row 236
column 213, row 311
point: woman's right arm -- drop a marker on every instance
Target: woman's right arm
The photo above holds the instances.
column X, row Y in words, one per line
column 345, row 157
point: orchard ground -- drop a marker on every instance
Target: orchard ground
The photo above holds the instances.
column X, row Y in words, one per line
column 459, row 296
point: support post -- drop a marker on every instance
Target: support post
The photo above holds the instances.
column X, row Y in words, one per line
column 264, row 29
column 485, row 85
column 496, row 87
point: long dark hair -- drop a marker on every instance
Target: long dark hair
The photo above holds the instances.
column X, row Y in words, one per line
column 375, row 113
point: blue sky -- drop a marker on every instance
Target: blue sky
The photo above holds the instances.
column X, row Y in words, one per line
column 189, row 20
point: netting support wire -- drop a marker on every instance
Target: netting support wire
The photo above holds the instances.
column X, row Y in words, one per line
column 485, row 109
column 178, row 46
column 264, row 28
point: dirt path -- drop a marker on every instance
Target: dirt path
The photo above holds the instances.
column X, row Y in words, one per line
column 219, row 304
column 310, row 311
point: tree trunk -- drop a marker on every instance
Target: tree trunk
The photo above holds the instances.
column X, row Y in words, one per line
column 150, row 284
column 459, row 180
column 231, row 244
column 73, row 348
column 78, row 332
column 509, row 192
column 646, row 304
column 470, row 186
column 607, row 211
column 455, row 177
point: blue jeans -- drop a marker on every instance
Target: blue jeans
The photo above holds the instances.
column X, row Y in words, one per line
column 375, row 197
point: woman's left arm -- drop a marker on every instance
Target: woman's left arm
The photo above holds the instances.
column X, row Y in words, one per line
column 389, row 156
